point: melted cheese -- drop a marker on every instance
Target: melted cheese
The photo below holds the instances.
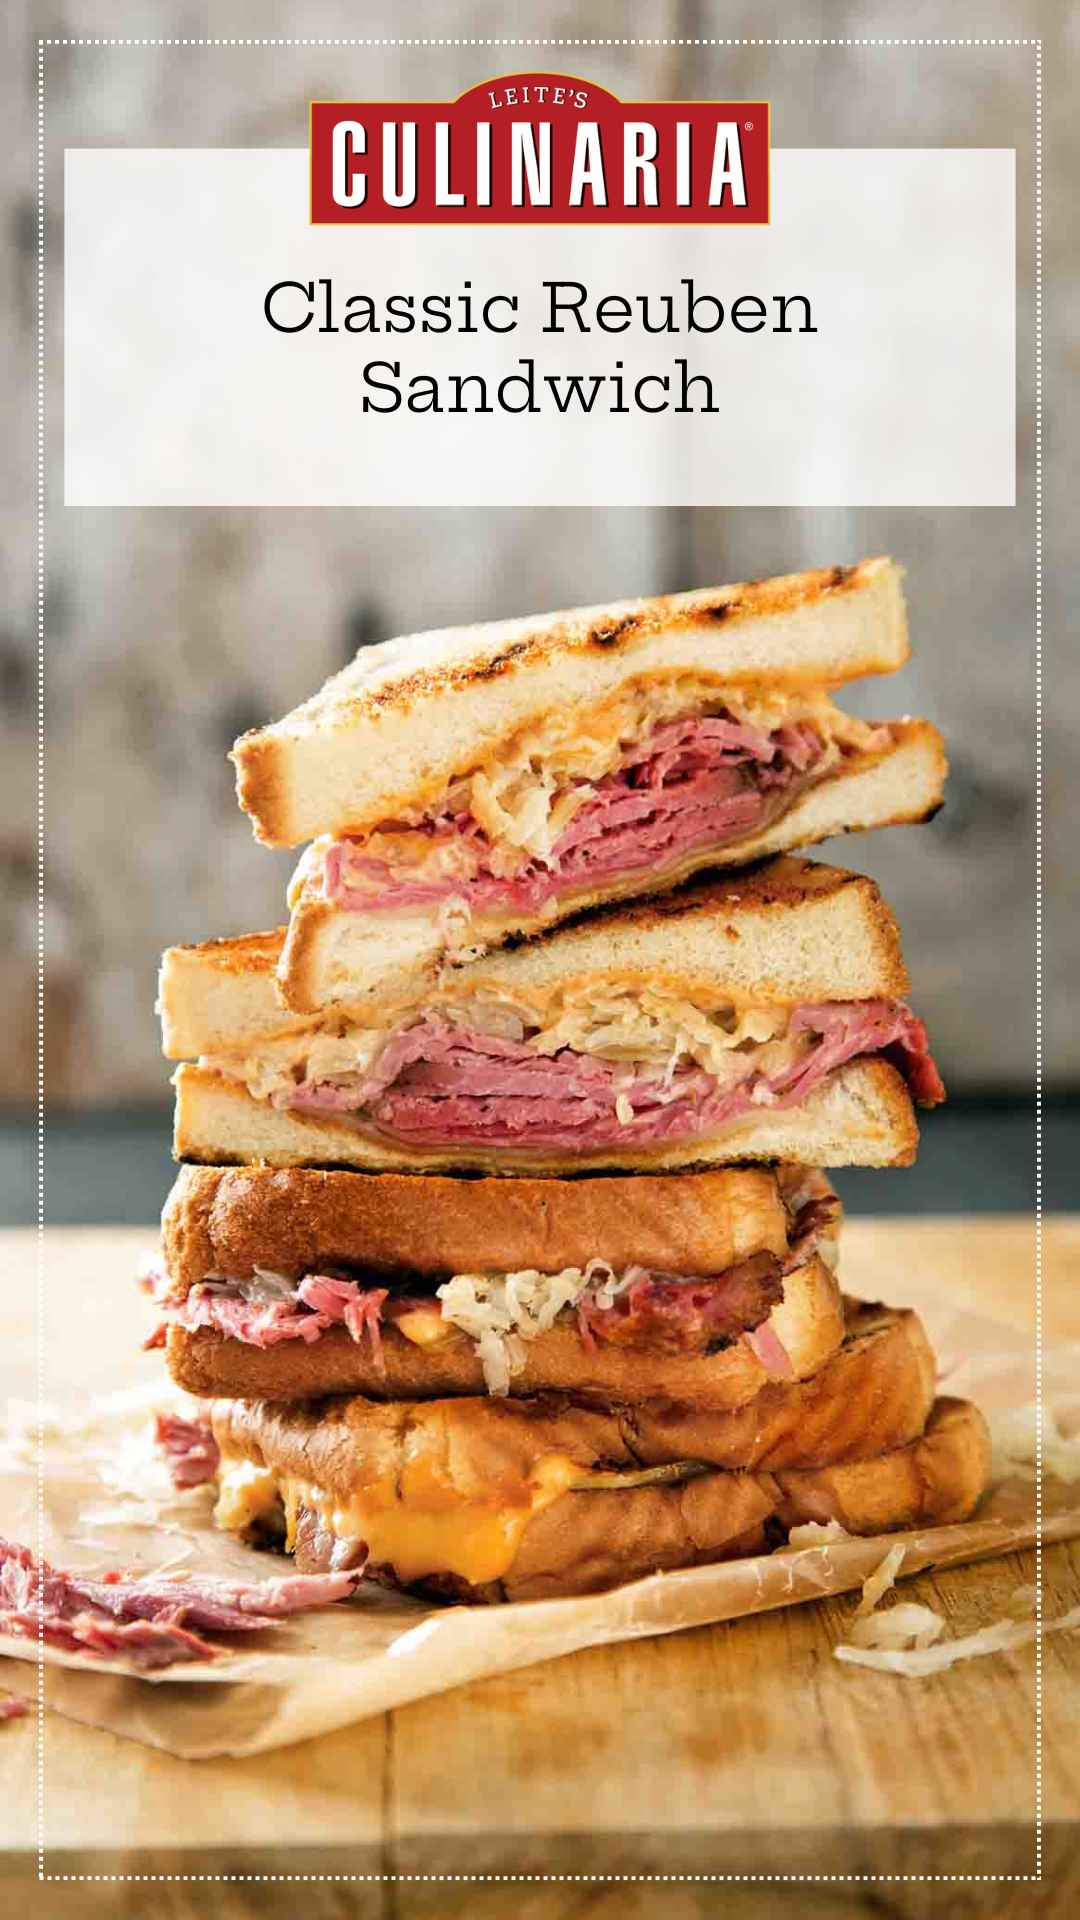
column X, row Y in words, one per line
column 424, row 1326
column 246, row 1494
column 418, row 1524
column 428, row 1528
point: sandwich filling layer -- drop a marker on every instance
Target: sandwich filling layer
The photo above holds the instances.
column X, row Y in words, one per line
column 576, row 803
column 502, row 1313
column 600, row 1066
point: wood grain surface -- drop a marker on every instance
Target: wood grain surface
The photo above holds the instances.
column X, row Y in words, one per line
column 732, row 1750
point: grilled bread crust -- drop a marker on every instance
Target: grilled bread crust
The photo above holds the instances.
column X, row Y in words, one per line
column 404, row 719
column 334, row 957
column 860, row 1116
column 788, row 930
column 221, row 995
column 936, row 1480
column 809, row 1322
column 226, row 1222
column 585, row 1541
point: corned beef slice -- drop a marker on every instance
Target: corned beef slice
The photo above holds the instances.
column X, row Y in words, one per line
column 679, row 1315
column 358, row 1308
column 693, row 782
column 441, row 1084
column 849, row 1028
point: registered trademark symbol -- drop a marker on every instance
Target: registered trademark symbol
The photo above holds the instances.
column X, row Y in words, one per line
column 748, row 126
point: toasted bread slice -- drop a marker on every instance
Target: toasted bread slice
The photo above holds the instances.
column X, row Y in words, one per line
column 872, row 1393
column 335, row 957
column 225, row 1223
column 221, row 995
column 808, row 1322
column 861, row 1116
column 487, row 1502
column 789, row 931
column 388, row 733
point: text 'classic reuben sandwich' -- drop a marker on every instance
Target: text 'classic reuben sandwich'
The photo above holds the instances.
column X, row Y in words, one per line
column 463, row 786
column 505, row 1264
column 757, row 1017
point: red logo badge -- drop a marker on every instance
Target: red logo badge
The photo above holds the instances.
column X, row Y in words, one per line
column 540, row 148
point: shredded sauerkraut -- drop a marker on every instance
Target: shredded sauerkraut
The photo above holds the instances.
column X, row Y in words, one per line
column 879, row 1582
column 647, row 1027
column 817, row 1533
column 644, row 1028
column 906, row 1638
column 915, row 1662
column 522, row 813
column 908, row 1624
column 500, row 1311
column 314, row 1053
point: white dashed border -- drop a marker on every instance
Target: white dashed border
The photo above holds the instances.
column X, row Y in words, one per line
column 561, row 1879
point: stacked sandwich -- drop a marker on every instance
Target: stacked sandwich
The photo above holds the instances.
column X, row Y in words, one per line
column 504, row 1254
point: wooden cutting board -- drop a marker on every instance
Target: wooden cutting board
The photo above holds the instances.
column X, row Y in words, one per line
column 740, row 1750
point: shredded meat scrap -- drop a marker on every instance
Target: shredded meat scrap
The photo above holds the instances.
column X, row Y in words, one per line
column 151, row 1620
column 188, row 1448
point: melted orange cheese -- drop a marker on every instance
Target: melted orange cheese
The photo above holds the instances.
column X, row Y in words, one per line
column 419, row 1525
column 246, row 1493
column 424, row 1326
column 427, row 1528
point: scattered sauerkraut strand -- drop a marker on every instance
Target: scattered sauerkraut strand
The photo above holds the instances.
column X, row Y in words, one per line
column 879, row 1582
column 908, row 1624
column 817, row 1533
column 906, row 1638
column 916, row 1662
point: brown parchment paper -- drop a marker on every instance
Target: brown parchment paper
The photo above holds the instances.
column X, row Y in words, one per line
column 108, row 1503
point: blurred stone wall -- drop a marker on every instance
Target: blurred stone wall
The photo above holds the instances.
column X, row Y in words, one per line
column 169, row 632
